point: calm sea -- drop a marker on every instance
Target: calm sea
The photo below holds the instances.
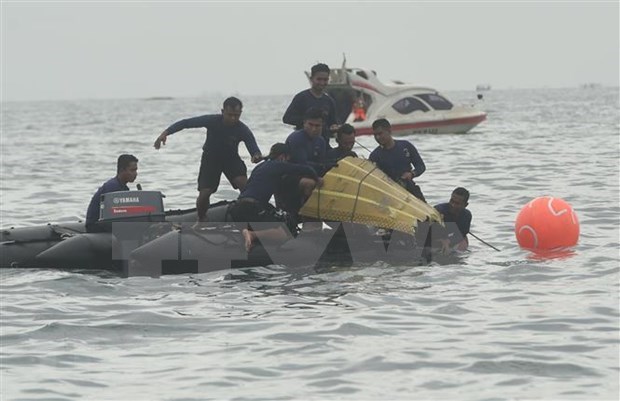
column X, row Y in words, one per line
column 492, row 326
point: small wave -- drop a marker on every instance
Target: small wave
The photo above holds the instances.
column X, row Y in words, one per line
column 559, row 370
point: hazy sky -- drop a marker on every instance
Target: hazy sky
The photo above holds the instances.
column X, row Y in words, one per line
column 79, row 49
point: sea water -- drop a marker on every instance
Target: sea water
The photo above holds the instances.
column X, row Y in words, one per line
column 487, row 326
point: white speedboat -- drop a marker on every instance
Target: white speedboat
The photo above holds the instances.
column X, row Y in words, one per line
column 361, row 99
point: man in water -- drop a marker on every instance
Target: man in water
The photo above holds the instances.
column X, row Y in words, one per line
column 220, row 152
column 457, row 219
column 126, row 171
column 315, row 97
column 253, row 206
column 396, row 157
column 345, row 137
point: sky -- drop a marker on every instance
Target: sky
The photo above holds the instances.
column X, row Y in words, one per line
column 123, row 49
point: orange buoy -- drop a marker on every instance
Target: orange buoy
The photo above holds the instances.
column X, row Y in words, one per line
column 547, row 223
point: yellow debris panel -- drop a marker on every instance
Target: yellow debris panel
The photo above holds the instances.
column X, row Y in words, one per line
column 357, row 191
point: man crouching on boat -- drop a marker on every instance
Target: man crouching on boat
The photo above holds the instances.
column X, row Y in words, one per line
column 253, row 205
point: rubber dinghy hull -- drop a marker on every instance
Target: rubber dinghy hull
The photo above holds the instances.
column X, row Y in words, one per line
column 190, row 251
column 68, row 246
column 19, row 247
column 91, row 250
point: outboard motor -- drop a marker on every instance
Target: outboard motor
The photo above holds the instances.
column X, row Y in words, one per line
column 124, row 218
column 132, row 206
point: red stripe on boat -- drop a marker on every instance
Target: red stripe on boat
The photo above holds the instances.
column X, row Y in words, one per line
column 426, row 124
column 133, row 209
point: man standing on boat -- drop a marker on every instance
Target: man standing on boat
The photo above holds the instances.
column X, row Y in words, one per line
column 396, row 157
column 126, row 171
column 457, row 218
column 315, row 97
column 220, row 152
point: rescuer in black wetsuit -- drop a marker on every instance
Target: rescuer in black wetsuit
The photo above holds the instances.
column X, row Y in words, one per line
column 315, row 97
column 396, row 157
column 253, row 206
column 345, row 137
column 220, row 152
column 126, row 171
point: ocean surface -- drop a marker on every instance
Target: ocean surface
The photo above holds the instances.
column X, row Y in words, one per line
column 490, row 326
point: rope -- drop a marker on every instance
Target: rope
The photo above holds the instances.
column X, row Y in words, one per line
column 359, row 188
column 368, row 150
column 484, row 242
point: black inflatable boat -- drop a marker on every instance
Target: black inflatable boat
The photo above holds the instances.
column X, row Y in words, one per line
column 69, row 245
column 187, row 250
column 139, row 238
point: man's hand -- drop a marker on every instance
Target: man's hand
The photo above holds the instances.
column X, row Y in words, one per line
column 257, row 157
column 445, row 246
column 161, row 140
column 407, row 176
column 319, row 182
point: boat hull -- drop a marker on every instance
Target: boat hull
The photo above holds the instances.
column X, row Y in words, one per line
column 180, row 248
column 189, row 251
column 459, row 125
column 69, row 246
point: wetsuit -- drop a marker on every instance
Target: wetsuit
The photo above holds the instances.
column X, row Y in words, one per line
column 306, row 150
column 457, row 227
column 398, row 160
column 92, row 213
column 253, row 202
column 305, row 100
column 220, row 152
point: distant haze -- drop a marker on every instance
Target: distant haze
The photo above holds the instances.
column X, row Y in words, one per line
column 67, row 50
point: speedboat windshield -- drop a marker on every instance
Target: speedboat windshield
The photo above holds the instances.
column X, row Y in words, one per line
column 436, row 101
column 410, row 104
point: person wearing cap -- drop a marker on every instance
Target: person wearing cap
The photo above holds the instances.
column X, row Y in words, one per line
column 220, row 152
column 345, row 137
column 126, row 171
column 253, row 205
column 397, row 157
column 315, row 97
